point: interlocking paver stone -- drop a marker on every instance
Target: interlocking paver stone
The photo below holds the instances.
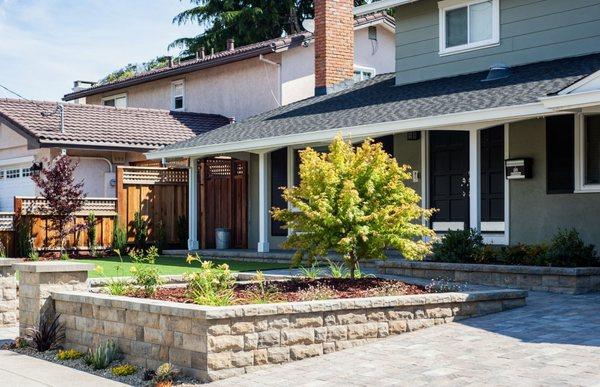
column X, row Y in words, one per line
column 554, row 340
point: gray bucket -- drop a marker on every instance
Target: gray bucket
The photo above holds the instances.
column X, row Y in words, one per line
column 222, row 238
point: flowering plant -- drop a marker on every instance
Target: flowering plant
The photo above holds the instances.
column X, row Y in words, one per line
column 211, row 285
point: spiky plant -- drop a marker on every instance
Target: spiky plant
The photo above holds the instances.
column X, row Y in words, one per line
column 103, row 355
column 48, row 335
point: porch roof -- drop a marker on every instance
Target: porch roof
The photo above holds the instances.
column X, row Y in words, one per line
column 379, row 100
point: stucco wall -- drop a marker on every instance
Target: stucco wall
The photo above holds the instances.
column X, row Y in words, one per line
column 534, row 215
column 378, row 55
column 236, row 90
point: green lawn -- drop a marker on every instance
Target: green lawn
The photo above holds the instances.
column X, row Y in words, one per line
column 172, row 265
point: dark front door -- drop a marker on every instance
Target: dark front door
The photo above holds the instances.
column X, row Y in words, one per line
column 449, row 176
column 492, row 179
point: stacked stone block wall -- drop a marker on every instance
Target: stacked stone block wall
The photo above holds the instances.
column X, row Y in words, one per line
column 212, row 343
column 8, row 293
column 547, row 279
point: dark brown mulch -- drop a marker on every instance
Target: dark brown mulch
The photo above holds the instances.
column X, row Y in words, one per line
column 300, row 290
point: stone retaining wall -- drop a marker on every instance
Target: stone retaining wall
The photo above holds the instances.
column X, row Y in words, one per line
column 8, row 292
column 212, row 343
column 566, row 280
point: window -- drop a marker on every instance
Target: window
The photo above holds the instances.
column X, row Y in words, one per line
column 1, row 174
column 560, row 140
column 119, row 101
column 177, row 92
column 363, row 73
column 13, row 173
column 592, row 150
column 26, row 172
column 468, row 25
column 279, row 171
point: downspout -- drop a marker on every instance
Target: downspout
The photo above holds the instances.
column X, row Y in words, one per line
column 279, row 86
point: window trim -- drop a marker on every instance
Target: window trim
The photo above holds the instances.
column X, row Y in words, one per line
column 174, row 84
column 580, row 157
column 448, row 5
column 365, row 69
column 115, row 97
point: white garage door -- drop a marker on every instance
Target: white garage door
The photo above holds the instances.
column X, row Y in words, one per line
column 15, row 180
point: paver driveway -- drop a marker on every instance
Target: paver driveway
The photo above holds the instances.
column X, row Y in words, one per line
column 554, row 340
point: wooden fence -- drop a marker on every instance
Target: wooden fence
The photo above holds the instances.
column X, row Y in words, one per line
column 7, row 235
column 45, row 239
column 159, row 194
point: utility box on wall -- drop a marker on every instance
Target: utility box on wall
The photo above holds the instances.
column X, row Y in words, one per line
column 519, row 168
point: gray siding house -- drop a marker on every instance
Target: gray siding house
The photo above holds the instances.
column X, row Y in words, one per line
column 495, row 104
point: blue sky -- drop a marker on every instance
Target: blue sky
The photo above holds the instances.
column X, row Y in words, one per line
column 47, row 44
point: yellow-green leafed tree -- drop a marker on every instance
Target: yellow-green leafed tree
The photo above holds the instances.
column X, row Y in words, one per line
column 353, row 201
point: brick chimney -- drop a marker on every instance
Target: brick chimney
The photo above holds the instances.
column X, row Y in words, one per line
column 334, row 45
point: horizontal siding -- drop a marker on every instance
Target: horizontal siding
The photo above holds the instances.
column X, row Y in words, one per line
column 530, row 31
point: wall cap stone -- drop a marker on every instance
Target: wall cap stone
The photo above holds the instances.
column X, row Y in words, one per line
column 472, row 267
column 220, row 312
column 52, row 267
column 10, row 261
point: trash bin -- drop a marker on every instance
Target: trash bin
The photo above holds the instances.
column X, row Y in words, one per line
column 222, row 238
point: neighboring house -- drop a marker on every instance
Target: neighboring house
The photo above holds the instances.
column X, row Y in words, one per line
column 244, row 81
column 97, row 137
column 482, row 89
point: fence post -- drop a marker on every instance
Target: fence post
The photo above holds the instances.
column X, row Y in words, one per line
column 37, row 281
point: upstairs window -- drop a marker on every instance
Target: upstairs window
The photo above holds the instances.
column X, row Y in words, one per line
column 177, row 93
column 363, row 73
column 119, row 100
column 468, row 25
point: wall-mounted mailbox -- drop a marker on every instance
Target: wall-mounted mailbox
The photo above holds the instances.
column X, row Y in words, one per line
column 519, row 168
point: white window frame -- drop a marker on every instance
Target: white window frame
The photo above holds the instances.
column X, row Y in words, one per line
column 580, row 157
column 448, row 5
column 364, row 69
column 17, row 176
column 174, row 84
column 116, row 96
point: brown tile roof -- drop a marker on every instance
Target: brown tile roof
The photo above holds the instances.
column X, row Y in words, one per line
column 220, row 58
column 97, row 126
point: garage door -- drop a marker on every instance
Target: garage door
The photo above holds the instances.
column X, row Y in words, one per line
column 15, row 180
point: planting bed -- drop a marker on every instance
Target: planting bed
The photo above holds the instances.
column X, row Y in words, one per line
column 300, row 290
column 211, row 343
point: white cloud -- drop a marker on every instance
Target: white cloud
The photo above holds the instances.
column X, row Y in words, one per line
column 48, row 44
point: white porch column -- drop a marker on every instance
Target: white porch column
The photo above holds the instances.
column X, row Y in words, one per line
column 193, row 205
column 263, row 210
column 474, row 181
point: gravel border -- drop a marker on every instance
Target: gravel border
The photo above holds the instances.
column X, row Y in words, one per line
column 78, row 364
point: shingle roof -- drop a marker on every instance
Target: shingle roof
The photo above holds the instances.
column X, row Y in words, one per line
column 222, row 57
column 106, row 127
column 378, row 100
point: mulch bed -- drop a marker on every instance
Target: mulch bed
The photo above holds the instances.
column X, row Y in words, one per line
column 300, row 290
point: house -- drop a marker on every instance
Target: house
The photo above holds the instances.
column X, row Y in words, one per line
column 97, row 137
column 244, row 81
column 494, row 103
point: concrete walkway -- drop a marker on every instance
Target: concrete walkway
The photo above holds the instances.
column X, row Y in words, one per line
column 26, row 371
column 554, row 340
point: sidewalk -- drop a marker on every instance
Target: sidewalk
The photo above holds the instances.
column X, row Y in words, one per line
column 25, row 371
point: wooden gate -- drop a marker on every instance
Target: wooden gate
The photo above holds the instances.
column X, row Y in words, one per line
column 223, row 200
column 160, row 194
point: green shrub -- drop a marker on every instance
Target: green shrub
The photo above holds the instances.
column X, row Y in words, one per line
column 140, row 229
column 3, row 252
column 90, row 224
column 464, row 246
column 144, row 271
column 165, row 374
column 119, row 237
column 68, row 354
column 103, row 355
column 568, row 249
column 64, row 257
column 34, row 255
column 160, row 236
column 123, row 370
column 522, row 254
column 211, row 285
column 312, row 272
column 262, row 292
column 24, row 235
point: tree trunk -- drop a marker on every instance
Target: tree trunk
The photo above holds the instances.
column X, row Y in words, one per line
column 352, row 264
